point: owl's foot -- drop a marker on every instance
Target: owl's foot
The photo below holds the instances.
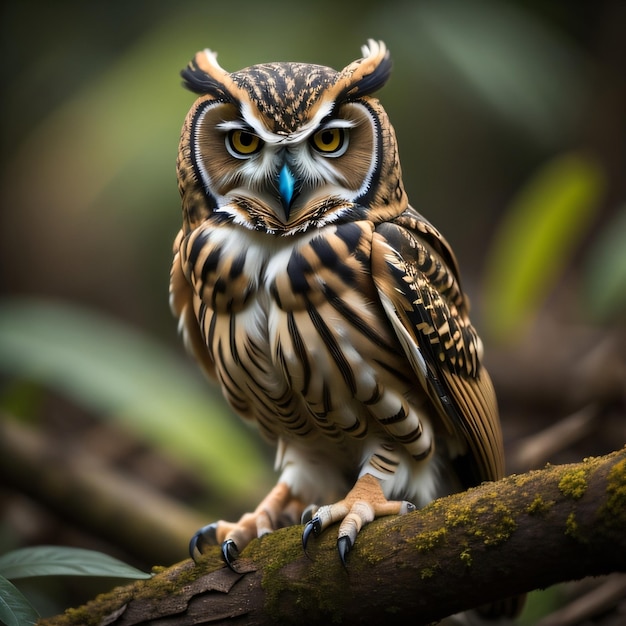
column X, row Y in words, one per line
column 278, row 509
column 364, row 503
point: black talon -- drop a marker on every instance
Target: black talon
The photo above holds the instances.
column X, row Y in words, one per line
column 193, row 546
column 344, row 545
column 230, row 553
column 205, row 536
column 308, row 513
column 312, row 526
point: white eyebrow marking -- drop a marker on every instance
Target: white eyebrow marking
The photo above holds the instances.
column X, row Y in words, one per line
column 250, row 121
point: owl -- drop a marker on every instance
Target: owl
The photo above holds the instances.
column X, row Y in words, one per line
column 328, row 310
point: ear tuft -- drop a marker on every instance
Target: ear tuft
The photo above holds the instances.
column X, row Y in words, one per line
column 366, row 75
column 204, row 75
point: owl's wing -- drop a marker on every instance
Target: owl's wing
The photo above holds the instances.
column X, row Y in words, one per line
column 417, row 279
column 182, row 306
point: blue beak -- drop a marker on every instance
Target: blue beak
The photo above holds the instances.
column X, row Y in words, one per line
column 286, row 187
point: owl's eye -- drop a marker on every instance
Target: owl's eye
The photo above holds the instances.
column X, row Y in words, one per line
column 242, row 144
column 331, row 141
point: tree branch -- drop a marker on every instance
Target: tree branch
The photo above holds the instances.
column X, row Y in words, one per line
column 497, row 540
column 83, row 489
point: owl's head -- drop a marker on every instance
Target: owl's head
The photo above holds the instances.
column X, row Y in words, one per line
column 285, row 147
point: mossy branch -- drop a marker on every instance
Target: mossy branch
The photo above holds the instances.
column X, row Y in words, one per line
column 498, row 540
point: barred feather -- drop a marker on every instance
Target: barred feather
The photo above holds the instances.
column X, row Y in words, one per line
column 331, row 316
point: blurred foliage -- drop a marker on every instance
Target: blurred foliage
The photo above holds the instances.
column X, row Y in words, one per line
column 536, row 239
column 118, row 372
column 539, row 603
column 604, row 273
column 493, row 55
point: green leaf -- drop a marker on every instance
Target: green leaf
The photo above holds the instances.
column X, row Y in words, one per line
column 540, row 603
column 64, row 561
column 15, row 609
column 604, row 275
column 537, row 238
column 116, row 370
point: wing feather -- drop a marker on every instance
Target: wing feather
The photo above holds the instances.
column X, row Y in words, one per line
column 182, row 306
column 417, row 279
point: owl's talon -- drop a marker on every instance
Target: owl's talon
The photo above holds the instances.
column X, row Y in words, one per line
column 407, row 507
column 308, row 513
column 206, row 536
column 230, row 553
column 344, row 545
column 312, row 526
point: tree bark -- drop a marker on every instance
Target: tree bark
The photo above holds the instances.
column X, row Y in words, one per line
column 498, row 540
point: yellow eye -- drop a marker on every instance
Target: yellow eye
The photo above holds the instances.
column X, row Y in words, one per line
column 330, row 141
column 242, row 144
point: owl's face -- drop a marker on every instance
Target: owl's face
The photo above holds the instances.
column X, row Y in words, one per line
column 284, row 147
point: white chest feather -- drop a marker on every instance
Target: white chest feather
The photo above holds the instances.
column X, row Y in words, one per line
column 300, row 341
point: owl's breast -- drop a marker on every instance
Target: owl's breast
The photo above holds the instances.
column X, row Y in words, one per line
column 295, row 330
column 230, row 267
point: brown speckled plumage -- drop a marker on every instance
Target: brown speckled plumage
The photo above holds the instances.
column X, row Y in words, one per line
column 329, row 311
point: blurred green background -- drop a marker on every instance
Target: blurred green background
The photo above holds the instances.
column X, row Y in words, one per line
column 511, row 122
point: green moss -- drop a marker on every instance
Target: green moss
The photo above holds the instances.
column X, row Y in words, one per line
column 81, row 616
column 207, row 563
column 275, row 560
column 539, row 506
column 427, row 572
column 493, row 523
column 159, row 587
column 377, row 534
column 320, row 588
column 616, row 491
column 166, row 582
column 490, row 520
column 573, row 484
column 519, row 480
column 105, row 604
column 500, row 525
column 466, row 557
column 426, row 541
column 460, row 516
column 573, row 530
